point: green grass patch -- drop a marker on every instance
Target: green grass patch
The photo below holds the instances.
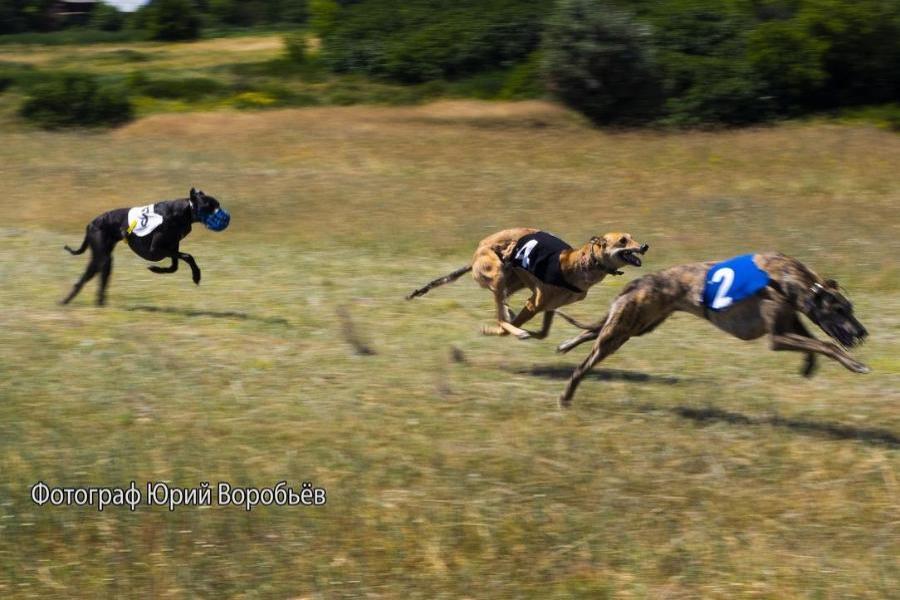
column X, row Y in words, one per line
column 73, row 36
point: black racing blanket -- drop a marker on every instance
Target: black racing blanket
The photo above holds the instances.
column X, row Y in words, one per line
column 538, row 253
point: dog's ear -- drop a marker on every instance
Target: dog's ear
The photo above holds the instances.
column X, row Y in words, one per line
column 832, row 284
column 193, row 194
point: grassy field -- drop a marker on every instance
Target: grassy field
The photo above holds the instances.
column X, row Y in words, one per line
column 247, row 72
column 692, row 464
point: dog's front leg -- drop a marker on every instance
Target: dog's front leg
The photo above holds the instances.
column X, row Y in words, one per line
column 800, row 343
column 513, row 328
column 169, row 269
column 195, row 270
column 504, row 315
column 809, row 363
column 545, row 326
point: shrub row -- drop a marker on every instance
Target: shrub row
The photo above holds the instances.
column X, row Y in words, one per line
column 676, row 61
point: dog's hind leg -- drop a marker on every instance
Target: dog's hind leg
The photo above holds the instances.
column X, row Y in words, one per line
column 105, row 272
column 195, row 270
column 89, row 273
column 101, row 251
column 616, row 331
column 170, row 269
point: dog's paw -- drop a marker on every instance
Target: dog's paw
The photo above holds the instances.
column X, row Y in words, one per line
column 861, row 368
column 524, row 335
column 196, row 279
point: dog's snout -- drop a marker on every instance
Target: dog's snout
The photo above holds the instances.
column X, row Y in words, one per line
column 644, row 248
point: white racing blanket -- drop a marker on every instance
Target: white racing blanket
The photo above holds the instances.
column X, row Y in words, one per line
column 142, row 220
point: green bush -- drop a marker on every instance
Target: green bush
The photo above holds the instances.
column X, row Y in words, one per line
column 12, row 73
column 323, row 16
column 188, row 88
column 172, row 20
column 295, row 47
column 790, row 62
column 524, row 80
column 862, row 49
column 598, row 60
column 72, row 100
column 424, row 40
column 702, row 55
column 106, row 17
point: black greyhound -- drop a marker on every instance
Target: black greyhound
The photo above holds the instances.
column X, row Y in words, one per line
column 153, row 232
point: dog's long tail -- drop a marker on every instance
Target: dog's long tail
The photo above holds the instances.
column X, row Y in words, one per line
column 589, row 327
column 439, row 281
column 84, row 244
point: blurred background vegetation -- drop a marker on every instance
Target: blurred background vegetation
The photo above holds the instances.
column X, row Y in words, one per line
column 662, row 62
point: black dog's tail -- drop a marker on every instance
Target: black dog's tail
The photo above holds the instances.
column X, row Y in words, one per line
column 84, row 244
column 440, row 281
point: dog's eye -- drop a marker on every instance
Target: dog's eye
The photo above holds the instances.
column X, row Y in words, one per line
column 623, row 241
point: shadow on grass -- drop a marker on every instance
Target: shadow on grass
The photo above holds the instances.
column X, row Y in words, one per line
column 825, row 429
column 565, row 371
column 838, row 431
column 227, row 314
column 351, row 334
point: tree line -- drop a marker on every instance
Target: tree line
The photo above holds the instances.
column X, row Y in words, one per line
column 681, row 62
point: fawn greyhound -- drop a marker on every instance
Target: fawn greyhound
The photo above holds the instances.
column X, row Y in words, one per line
column 556, row 274
column 786, row 287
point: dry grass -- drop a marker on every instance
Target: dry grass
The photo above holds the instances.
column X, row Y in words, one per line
column 155, row 56
column 694, row 466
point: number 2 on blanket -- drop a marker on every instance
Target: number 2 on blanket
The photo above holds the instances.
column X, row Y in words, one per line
column 722, row 299
column 523, row 253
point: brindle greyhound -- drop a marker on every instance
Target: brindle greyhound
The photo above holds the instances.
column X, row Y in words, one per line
column 174, row 223
column 498, row 266
column 793, row 288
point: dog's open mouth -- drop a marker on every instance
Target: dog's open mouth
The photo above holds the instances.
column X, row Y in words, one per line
column 631, row 257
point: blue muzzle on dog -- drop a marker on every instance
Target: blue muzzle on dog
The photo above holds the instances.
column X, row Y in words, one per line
column 217, row 220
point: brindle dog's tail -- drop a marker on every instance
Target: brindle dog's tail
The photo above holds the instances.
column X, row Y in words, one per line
column 84, row 244
column 440, row 281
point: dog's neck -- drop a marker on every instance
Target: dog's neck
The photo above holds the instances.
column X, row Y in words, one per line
column 192, row 211
column 584, row 266
column 797, row 283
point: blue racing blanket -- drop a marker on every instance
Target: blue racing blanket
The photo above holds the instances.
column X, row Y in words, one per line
column 733, row 280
